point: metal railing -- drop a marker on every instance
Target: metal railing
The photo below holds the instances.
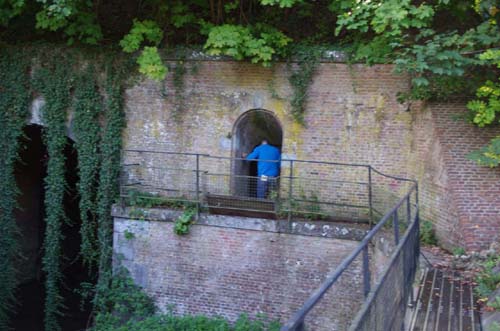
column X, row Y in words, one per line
column 384, row 305
column 312, row 190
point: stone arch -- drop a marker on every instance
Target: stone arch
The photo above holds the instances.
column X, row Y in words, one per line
column 248, row 131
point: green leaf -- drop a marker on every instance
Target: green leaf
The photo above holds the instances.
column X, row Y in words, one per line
column 151, row 65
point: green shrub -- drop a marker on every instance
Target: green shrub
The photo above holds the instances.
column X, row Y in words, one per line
column 182, row 224
column 169, row 322
column 123, row 302
column 458, row 251
column 128, row 308
column 487, row 281
column 427, row 235
column 136, row 198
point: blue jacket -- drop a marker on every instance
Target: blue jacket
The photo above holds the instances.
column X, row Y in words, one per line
column 266, row 152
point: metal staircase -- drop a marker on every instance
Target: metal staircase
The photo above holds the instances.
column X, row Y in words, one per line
column 445, row 302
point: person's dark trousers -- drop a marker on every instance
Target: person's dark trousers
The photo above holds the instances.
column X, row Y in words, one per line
column 264, row 184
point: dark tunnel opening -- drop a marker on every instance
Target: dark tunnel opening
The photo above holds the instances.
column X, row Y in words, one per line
column 30, row 172
column 249, row 131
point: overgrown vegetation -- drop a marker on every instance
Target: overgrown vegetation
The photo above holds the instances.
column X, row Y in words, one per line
column 128, row 308
column 64, row 83
column 427, row 234
column 301, row 78
column 14, row 100
column 183, row 222
column 87, row 106
column 487, row 280
column 54, row 82
column 448, row 48
column 139, row 199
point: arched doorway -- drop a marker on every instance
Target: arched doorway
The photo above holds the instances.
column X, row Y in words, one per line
column 30, row 171
column 248, row 132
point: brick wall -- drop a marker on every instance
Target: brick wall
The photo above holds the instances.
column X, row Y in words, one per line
column 226, row 271
column 352, row 116
column 462, row 198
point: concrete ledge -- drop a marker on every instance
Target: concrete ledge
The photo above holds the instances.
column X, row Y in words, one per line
column 327, row 229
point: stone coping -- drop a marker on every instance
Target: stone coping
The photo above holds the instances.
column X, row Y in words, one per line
column 325, row 229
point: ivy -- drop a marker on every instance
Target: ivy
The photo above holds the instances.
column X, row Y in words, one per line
column 108, row 191
column 14, row 101
column 301, row 78
column 87, row 108
column 178, row 80
column 54, row 84
column 98, row 161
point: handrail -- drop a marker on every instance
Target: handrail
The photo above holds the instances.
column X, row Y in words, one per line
column 298, row 318
column 282, row 160
column 244, row 159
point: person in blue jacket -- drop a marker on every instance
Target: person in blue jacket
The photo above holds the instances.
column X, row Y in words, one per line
column 267, row 171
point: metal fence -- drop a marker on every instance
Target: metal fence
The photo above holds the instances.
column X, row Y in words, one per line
column 310, row 190
column 386, row 296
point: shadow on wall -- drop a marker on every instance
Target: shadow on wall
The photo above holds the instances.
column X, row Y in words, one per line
column 248, row 132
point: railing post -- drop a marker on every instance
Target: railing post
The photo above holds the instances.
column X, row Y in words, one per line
column 366, row 271
column 290, row 195
column 300, row 326
column 370, row 200
column 408, row 209
column 197, row 186
column 395, row 224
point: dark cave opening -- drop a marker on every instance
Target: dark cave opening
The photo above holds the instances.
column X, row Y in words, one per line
column 30, row 171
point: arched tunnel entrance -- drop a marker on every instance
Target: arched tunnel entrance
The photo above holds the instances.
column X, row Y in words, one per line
column 30, row 172
column 249, row 131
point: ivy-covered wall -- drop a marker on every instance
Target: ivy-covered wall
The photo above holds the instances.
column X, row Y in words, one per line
column 73, row 92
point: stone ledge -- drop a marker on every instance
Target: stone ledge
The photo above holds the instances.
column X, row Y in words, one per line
column 326, row 229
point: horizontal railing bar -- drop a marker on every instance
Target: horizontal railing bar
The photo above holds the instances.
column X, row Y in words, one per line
column 244, row 159
column 164, row 152
column 394, row 177
column 288, row 178
column 330, row 203
column 318, row 294
column 260, row 211
column 131, row 184
column 172, row 169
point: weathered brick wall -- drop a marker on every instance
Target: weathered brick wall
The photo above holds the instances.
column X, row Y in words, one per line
column 352, row 116
column 226, row 271
column 462, row 198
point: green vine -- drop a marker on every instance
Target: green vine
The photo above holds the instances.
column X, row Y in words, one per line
column 107, row 191
column 98, row 161
column 178, row 80
column 14, row 101
column 301, row 79
column 87, row 107
column 55, row 87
